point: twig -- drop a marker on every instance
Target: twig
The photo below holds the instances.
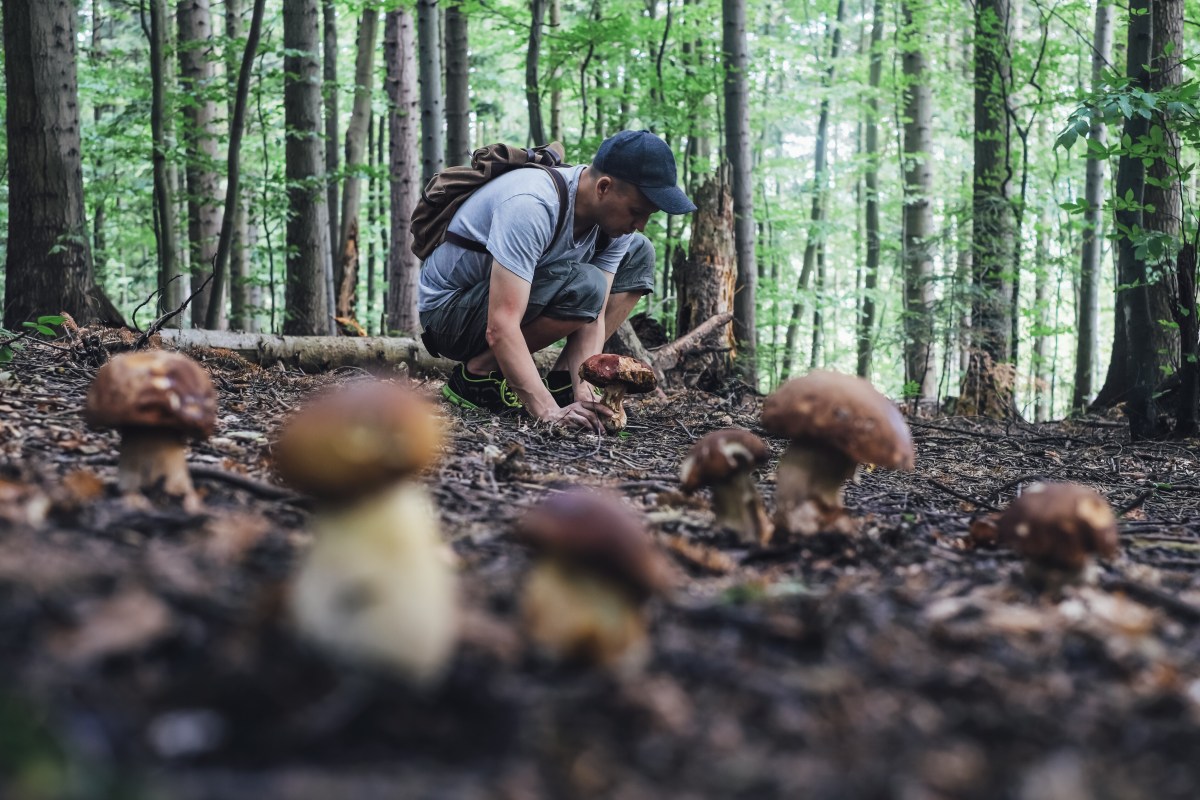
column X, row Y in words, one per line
column 263, row 489
column 1141, row 498
column 1152, row 596
column 158, row 324
column 973, row 500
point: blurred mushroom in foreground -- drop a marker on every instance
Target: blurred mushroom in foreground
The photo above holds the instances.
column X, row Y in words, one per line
column 617, row 376
column 725, row 460
column 157, row 401
column 1059, row 528
column 595, row 569
column 377, row 585
column 835, row 422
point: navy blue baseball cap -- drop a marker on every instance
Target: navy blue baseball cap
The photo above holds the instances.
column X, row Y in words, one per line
column 647, row 162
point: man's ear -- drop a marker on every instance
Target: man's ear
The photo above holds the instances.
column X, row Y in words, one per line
column 604, row 185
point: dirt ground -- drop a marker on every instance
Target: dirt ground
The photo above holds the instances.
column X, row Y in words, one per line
column 145, row 651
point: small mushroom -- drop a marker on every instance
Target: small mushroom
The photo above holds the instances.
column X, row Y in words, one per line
column 725, row 460
column 584, row 599
column 617, row 376
column 377, row 585
column 1059, row 528
column 835, row 422
column 157, row 401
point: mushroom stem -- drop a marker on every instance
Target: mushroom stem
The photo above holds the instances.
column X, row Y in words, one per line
column 614, row 397
column 809, row 485
column 576, row 616
column 739, row 507
column 377, row 584
column 150, row 455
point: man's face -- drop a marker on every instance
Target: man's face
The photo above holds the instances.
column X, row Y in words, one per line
column 623, row 208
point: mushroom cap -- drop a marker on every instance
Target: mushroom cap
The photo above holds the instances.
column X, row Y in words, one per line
column 844, row 411
column 356, row 439
column 610, row 369
column 718, row 455
column 596, row 531
column 1059, row 524
column 153, row 389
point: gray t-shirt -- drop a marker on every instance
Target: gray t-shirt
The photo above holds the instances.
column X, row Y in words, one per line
column 514, row 216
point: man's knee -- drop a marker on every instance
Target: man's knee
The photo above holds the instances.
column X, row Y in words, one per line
column 636, row 272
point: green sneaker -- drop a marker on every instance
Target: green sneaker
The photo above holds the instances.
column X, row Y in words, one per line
column 488, row 392
column 558, row 381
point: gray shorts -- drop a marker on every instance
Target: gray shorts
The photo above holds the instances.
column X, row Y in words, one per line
column 457, row 329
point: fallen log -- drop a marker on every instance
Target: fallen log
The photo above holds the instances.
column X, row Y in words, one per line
column 667, row 356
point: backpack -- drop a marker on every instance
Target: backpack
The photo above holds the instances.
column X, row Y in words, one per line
column 449, row 189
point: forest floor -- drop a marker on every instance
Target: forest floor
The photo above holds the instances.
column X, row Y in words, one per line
column 144, row 652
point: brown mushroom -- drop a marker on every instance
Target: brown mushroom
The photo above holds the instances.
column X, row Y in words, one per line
column 584, row 600
column 1059, row 528
column 725, row 460
column 377, row 585
column 157, row 401
column 834, row 422
column 617, row 376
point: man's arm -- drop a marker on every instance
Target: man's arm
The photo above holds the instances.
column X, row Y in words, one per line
column 585, row 343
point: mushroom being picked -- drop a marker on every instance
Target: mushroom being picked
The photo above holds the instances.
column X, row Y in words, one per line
column 725, row 460
column 377, row 585
column 615, row 376
column 1059, row 528
column 595, row 569
column 157, row 401
column 835, row 422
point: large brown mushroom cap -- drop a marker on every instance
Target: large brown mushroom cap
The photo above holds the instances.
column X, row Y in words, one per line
column 718, row 455
column 595, row 530
column 844, row 411
column 1060, row 525
column 609, row 369
column 153, row 389
column 357, row 439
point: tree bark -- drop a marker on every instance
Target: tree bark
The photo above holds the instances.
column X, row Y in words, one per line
column 533, row 96
column 196, row 75
column 308, row 223
column 403, row 268
column 346, row 273
column 329, row 93
column 164, row 187
column 458, row 95
column 866, row 324
column 1088, row 310
column 736, row 52
column 241, row 309
column 430, row 79
column 49, row 257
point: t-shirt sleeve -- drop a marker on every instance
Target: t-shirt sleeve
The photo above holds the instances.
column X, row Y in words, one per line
column 520, row 231
column 610, row 258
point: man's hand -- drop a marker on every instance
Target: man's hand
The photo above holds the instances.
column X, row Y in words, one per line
column 582, row 414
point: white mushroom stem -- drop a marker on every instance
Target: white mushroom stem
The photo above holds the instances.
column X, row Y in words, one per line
column 809, row 485
column 151, row 455
column 378, row 585
column 576, row 616
column 613, row 396
column 739, row 506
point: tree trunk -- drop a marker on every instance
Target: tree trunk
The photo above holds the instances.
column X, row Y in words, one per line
column 430, row 79
column 308, row 223
column 866, row 325
column 49, row 259
column 356, row 141
column 705, row 280
column 919, row 377
column 736, row 52
column 241, row 311
column 556, row 78
column 329, row 93
column 458, row 94
column 196, row 75
column 403, row 268
column 1041, row 362
column 237, row 126
column 533, row 97
column 1088, row 310
column 988, row 383
column 164, row 186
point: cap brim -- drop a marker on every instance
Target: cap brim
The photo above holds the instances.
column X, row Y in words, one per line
column 670, row 199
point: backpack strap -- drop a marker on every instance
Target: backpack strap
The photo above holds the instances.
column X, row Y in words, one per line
column 560, row 183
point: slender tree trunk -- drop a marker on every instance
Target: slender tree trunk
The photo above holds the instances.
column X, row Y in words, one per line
column 403, row 268
column 556, row 132
column 1088, row 311
column 200, row 145
column 866, row 326
column 49, row 259
column 329, row 93
column 241, row 314
column 164, row 187
column 533, row 96
column 430, row 79
column 1041, row 361
column 458, row 96
column 737, row 149
column 356, row 142
column 308, row 255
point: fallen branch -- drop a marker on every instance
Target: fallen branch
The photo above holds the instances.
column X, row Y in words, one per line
column 667, row 356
